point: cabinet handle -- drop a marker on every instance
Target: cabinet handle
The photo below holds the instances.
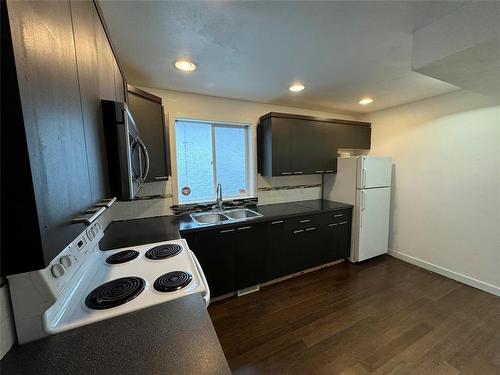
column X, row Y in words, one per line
column 299, row 172
column 304, row 221
column 277, row 222
column 333, row 224
column 343, row 222
column 298, row 231
column 329, row 171
column 245, row 228
column 309, row 229
column 286, row 173
column 227, row 231
column 338, row 215
column 319, row 171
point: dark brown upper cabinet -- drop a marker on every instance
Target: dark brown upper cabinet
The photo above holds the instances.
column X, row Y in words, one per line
column 57, row 65
column 293, row 144
column 148, row 113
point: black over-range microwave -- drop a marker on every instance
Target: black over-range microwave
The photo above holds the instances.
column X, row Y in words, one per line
column 128, row 158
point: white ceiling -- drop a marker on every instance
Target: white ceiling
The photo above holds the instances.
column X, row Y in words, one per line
column 253, row 50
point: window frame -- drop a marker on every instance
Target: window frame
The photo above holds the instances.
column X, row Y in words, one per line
column 248, row 165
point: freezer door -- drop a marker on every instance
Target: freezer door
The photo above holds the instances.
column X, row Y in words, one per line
column 374, row 171
column 373, row 223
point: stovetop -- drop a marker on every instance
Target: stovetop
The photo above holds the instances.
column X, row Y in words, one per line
column 124, row 280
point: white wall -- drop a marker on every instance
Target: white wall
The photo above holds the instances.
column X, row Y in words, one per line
column 446, row 184
column 211, row 108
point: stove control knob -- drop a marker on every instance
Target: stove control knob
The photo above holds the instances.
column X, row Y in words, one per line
column 57, row 270
column 65, row 260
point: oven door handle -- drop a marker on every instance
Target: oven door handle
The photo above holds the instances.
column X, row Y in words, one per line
column 145, row 152
column 206, row 297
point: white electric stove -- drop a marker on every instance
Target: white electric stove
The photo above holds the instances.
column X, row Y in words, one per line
column 84, row 285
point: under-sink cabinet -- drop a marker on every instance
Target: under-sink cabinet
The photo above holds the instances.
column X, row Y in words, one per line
column 235, row 257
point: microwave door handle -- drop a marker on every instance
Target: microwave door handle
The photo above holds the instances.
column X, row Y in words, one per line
column 145, row 152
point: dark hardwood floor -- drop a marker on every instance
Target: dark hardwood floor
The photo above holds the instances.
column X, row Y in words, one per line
column 383, row 316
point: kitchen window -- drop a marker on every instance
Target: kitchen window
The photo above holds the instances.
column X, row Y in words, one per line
column 209, row 153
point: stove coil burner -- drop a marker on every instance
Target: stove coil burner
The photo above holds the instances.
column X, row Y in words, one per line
column 163, row 251
column 172, row 281
column 122, row 257
column 115, row 293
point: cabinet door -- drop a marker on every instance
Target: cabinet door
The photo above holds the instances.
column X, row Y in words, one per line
column 85, row 19
column 214, row 250
column 307, row 146
column 336, row 235
column 250, row 249
column 192, row 240
column 43, row 42
column 119, row 83
column 277, row 258
column 343, row 237
column 307, row 248
column 353, row 136
column 106, row 64
column 281, row 147
column 330, row 144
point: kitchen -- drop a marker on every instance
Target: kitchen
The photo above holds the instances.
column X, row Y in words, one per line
column 250, row 187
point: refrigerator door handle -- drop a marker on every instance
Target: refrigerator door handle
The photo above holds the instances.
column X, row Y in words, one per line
column 363, row 200
column 363, row 178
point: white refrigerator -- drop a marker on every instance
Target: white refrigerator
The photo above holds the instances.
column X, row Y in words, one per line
column 365, row 182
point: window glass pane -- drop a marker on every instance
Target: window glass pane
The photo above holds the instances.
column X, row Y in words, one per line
column 194, row 161
column 231, row 168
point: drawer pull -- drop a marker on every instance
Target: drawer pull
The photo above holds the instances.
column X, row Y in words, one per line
column 329, row 171
column 319, row 171
column 286, row 173
column 310, row 229
column 333, row 224
column 343, row 222
column 298, row 172
column 245, row 228
column 227, row 231
column 277, row 222
column 298, row 231
column 304, row 221
column 338, row 215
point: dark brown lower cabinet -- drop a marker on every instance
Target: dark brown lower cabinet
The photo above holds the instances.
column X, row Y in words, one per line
column 336, row 240
column 237, row 257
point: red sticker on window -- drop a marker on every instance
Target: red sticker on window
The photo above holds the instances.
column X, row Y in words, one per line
column 186, row 190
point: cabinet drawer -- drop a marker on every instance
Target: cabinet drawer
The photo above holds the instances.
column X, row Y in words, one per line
column 302, row 222
column 338, row 216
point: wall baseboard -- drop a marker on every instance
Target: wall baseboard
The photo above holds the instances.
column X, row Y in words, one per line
column 446, row 272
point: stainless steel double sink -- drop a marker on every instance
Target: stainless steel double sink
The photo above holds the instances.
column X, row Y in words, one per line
column 217, row 217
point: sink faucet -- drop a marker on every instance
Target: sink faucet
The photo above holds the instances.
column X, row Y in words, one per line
column 219, row 203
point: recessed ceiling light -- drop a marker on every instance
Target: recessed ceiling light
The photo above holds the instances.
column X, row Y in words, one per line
column 365, row 101
column 296, row 87
column 185, row 65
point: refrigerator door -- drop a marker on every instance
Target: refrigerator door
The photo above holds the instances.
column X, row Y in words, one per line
column 372, row 223
column 374, row 171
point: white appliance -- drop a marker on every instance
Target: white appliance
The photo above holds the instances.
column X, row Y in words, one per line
column 84, row 285
column 365, row 182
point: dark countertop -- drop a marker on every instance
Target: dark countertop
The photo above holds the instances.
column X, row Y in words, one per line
column 176, row 337
column 163, row 228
